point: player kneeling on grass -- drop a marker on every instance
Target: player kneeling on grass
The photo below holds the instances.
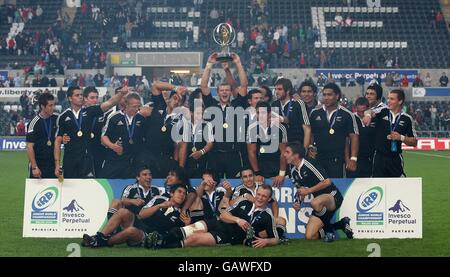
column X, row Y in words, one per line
column 160, row 214
column 309, row 177
column 243, row 223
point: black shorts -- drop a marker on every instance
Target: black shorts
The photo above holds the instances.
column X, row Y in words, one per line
column 138, row 223
column 388, row 165
column 117, row 168
column 328, row 215
column 226, row 163
column 334, row 166
column 363, row 168
column 269, row 167
column 78, row 166
column 224, row 233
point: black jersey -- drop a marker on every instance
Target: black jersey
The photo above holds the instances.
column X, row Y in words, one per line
column 297, row 114
column 75, row 126
column 211, row 202
column 163, row 219
column 231, row 122
column 366, row 147
column 41, row 131
column 136, row 191
column 385, row 122
column 331, row 131
column 309, row 174
column 129, row 131
column 158, row 129
column 197, row 136
column 267, row 140
column 260, row 219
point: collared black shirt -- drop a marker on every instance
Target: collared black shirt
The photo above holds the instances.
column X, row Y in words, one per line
column 235, row 124
column 158, row 128
column 332, row 145
column 135, row 191
column 211, row 202
column 405, row 126
column 163, row 219
column 297, row 115
column 260, row 219
column 309, row 174
column 366, row 147
column 267, row 140
column 77, row 146
column 116, row 130
column 38, row 133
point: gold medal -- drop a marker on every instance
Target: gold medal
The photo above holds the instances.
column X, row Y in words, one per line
column 331, row 131
column 80, row 133
column 92, row 135
column 262, row 150
column 163, row 128
column 49, row 143
column 130, row 141
column 225, row 125
column 194, row 149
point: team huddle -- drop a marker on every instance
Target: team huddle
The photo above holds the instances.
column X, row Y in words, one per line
column 244, row 134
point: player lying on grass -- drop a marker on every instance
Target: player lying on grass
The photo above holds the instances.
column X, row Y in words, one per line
column 160, row 214
column 243, row 223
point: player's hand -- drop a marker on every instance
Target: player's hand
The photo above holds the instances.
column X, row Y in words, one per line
column 395, row 136
column 117, row 147
column 185, row 218
column 277, row 181
column 228, row 188
column 350, row 165
column 259, row 179
column 57, row 170
column 146, row 111
column 138, row 202
column 303, row 191
column 249, row 197
column 212, row 58
column 181, row 90
column 312, row 152
column 36, row 172
column 296, row 96
column 124, row 90
column 243, row 224
column 236, row 58
column 367, row 120
column 297, row 206
column 196, row 155
column 259, row 242
column 66, row 139
column 166, row 204
column 225, row 66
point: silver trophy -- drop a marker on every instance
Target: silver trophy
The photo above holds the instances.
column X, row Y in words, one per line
column 224, row 35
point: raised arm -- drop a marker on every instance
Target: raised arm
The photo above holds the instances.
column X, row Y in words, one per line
column 206, row 73
column 114, row 100
column 242, row 89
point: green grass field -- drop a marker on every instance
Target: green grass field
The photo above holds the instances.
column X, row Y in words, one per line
column 433, row 167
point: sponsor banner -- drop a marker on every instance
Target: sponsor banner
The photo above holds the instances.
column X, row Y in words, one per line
column 429, row 144
column 379, row 208
column 430, row 92
column 383, row 207
column 368, row 74
column 13, row 144
column 13, row 94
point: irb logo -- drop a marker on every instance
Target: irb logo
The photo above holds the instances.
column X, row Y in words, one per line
column 369, row 199
column 44, row 199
